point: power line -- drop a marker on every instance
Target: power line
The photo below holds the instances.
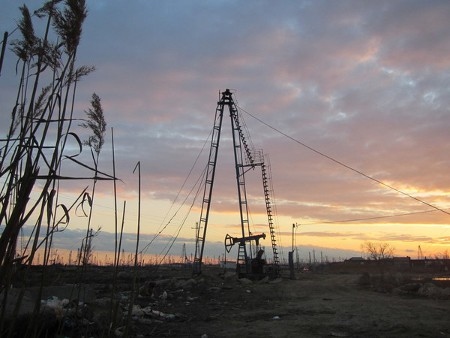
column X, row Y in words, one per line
column 178, row 194
column 370, row 218
column 344, row 165
column 175, row 237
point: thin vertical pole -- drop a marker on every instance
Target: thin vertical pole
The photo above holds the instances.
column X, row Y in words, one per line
column 138, row 166
column 2, row 55
column 115, row 198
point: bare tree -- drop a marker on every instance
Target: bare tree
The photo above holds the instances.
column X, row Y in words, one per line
column 377, row 250
column 444, row 255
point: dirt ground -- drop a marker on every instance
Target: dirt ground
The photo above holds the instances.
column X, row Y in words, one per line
column 174, row 303
column 314, row 305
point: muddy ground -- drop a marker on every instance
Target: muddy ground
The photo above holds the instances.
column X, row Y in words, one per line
column 173, row 303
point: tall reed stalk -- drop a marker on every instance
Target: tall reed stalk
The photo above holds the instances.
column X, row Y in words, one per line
column 136, row 269
column 34, row 148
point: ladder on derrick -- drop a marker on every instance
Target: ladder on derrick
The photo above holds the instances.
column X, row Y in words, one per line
column 209, row 182
column 267, row 179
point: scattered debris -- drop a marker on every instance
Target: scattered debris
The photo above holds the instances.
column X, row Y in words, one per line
column 169, row 306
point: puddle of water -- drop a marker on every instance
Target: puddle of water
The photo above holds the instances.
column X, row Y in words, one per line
column 421, row 279
column 441, row 278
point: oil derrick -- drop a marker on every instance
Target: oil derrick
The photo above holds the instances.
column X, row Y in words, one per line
column 184, row 258
column 244, row 161
column 419, row 253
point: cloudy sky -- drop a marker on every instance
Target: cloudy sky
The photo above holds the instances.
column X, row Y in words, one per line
column 341, row 95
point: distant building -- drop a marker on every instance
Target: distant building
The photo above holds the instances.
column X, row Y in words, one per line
column 357, row 260
column 401, row 260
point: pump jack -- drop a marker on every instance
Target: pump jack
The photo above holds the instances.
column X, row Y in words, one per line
column 241, row 152
column 257, row 263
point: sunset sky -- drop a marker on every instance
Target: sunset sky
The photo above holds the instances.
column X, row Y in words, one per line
column 335, row 92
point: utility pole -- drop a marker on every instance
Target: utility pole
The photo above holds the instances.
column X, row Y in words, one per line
column 183, row 254
column 291, row 253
